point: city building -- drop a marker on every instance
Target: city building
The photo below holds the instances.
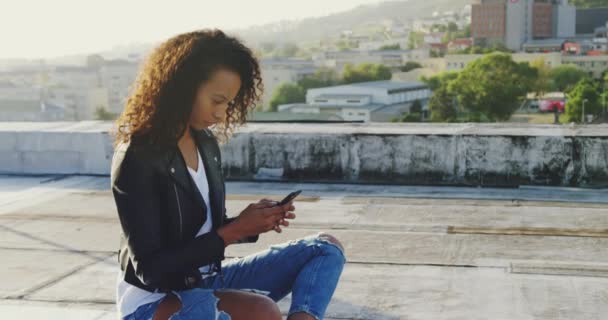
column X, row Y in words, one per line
column 514, row 22
column 377, row 101
column 594, row 65
column 460, row 44
column 587, row 20
column 116, row 77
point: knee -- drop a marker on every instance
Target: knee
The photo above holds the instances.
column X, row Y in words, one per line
column 266, row 308
column 328, row 237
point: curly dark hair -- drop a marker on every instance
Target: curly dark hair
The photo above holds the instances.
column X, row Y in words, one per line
column 161, row 98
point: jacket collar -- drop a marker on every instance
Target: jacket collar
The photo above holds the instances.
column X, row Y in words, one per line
column 177, row 169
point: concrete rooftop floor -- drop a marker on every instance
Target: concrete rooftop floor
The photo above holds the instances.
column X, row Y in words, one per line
column 445, row 253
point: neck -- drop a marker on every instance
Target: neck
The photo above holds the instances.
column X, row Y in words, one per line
column 186, row 137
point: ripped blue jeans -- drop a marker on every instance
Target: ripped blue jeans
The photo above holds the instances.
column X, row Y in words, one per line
column 309, row 268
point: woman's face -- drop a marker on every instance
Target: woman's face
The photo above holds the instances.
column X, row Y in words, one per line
column 213, row 97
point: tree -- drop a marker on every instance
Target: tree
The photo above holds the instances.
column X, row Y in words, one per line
column 493, row 85
column 585, row 89
column 415, row 39
column 437, row 27
column 565, row 76
column 589, row 3
column 416, row 107
column 365, row 72
column 543, row 81
column 391, row 47
column 409, row 66
column 452, row 26
column 101, row 113
column 412, row 117
column 287, row 93
column 323, row 77
column 497, row 47
column 442, row 106
column 434, row 82
column 288, row 50
column 464, row 33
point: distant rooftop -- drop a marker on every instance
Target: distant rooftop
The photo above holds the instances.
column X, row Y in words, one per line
column 389, row 85
column 341, row 96
column 289, row 116
column 369, row 106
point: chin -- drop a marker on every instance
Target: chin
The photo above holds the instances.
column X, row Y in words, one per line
column 200, row 125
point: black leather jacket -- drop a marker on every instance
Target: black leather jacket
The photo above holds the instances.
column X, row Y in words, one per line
column 161, row 210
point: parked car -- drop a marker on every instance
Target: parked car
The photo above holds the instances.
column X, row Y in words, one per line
column 550, row 105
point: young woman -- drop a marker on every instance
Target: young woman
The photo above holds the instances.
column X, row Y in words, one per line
column 169, row 190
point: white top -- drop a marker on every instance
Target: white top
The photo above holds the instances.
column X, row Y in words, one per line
column 130, row 297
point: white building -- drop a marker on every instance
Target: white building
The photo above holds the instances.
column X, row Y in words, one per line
column 365, row 101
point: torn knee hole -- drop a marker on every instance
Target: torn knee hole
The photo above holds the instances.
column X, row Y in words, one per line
column 330, row 239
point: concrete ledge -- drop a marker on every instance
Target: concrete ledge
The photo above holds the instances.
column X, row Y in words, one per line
column 500, row 155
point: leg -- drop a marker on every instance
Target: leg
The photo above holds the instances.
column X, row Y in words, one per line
column 308, row 267
column 241, row 305
column 332, row 239
column 302, row 315
column 169, row 305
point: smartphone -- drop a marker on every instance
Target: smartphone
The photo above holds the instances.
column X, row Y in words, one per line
column 289, row 197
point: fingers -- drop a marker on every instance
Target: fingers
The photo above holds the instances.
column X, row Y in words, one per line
column 289, row 206
column 278, row 210
column 264, row 203
column 268, row 202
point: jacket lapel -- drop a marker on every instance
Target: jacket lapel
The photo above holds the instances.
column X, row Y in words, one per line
column 178, row 171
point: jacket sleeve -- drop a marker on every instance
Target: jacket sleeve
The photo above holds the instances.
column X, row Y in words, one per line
column 249, row 239
column 137, row 195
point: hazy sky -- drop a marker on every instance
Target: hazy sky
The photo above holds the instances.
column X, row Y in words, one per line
column 30, row 29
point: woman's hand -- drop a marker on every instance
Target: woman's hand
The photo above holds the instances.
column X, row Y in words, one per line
column 263, row 216
column 288, row 213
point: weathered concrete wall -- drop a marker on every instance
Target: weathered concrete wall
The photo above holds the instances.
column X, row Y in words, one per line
column 454, row 154
column 55, row 147
column 437, row 154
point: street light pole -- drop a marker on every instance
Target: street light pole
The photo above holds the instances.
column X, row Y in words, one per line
column 583, row 115
column 604, row 99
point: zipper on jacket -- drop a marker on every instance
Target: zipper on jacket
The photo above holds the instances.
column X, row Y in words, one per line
column 179, row 209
